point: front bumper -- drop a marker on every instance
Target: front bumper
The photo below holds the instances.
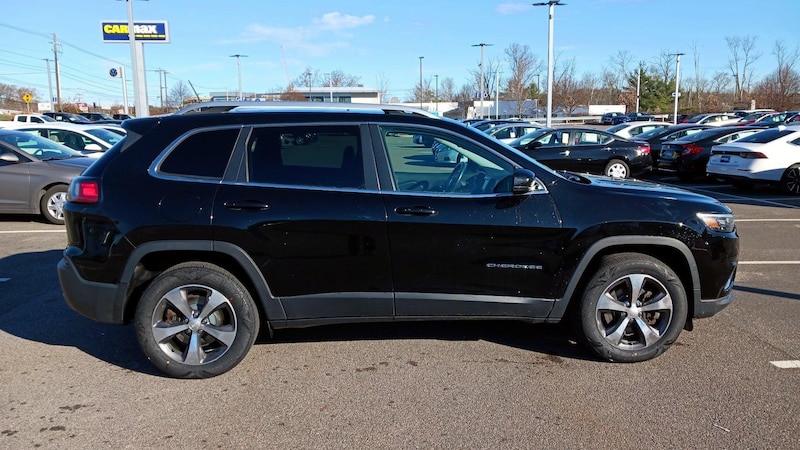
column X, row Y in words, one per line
column 707, row 308
column 98, row 301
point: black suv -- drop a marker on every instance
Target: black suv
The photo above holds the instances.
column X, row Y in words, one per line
column 205, row 226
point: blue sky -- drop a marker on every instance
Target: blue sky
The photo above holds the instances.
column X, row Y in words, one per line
column 369, row 39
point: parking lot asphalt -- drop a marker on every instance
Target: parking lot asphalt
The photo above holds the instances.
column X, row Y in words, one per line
column 68, row 382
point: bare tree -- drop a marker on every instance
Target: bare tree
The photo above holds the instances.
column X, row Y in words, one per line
column 447, row 90
column 781, row 88
column 565, row 85
column 178, row 95
column 382, row 82
column 663, row 65
column 740, row 62
column 523, row 66
column 622, row 63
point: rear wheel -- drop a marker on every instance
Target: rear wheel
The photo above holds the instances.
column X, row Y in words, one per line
column 633, row 308
column 617, row 168
column 790, row 181
column 52, row 204
column 196, row 320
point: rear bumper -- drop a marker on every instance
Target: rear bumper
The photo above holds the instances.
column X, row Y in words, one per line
column 97, row 301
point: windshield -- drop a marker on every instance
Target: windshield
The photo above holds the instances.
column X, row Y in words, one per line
column 37, row 146
column 765, row 136
column 616, row 128
column 651, row 133
column 524, row 140
column 105, row 135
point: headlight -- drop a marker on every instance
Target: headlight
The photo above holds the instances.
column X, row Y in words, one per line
column 722, row 223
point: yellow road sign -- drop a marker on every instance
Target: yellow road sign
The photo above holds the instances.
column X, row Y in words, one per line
column 26, row 97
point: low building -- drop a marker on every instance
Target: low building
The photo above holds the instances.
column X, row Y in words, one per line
column 336, row 94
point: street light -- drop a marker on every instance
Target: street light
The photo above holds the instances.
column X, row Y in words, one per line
column 420, row 82
column 437, row 92
column 677, row 83
column 239, row 71
column 551, row 4
column 137, row 64
column 482, row 45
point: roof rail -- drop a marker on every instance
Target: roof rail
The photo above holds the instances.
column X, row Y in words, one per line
column 249, row 106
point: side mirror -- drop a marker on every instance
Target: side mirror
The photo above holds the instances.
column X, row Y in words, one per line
column 93, row 148
column 533, row 145
column 523, row 181
column 9, row 157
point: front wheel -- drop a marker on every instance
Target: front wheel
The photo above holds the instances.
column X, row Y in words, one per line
column 617, row 168
column 196, row 320
column 790, row 181
column 633, row 308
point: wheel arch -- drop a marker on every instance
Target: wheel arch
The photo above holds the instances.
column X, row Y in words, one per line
column 670, row 251
column 152, row 258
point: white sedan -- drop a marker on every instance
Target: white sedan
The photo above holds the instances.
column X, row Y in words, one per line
column 771, row 156
column 629, row 130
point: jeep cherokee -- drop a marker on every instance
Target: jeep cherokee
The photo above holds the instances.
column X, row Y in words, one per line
column 205, row 226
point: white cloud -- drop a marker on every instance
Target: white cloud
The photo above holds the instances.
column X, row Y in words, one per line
column 339, row 21
column 513, row 8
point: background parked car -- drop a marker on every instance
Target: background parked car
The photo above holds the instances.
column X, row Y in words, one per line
column 98, row 117
column 633, row 129
column 509, row 131
column 715, row 119
column 774, row 119
column 35, row 173
column 90, row 139
column 771, row 156
column 67, row 117
column 640, row 117
column 586, row 150
column 657, row 136
column 121, row 117
column 608, row 118
column 689, row 155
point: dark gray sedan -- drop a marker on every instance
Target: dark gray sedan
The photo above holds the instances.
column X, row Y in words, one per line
column 35, row 173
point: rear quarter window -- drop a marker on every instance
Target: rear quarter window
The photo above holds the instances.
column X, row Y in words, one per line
column 204, row 154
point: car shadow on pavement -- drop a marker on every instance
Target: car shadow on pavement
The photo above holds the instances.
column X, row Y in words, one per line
column 767, row 292
column 550, row 339
column 33, row 308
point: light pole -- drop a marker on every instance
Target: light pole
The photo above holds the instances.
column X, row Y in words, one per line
column 137, row 64
column 497, row 74
column 239, row 71
column 437, row 92
column 420, row 81
column 482, row 45
column 551, row 4
column 677, row 84
column 538, row 94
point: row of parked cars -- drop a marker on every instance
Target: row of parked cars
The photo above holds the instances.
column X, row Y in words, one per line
column 39, row 158
column 762, row 148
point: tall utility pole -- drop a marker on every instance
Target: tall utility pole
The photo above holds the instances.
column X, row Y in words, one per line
column 124, row 91
column 137, row 64
column 483, row 83
column 677, row 93
column 239, row 71
column 497, row 74
column 638, row 87
column 420, row 82
column 437, row 93
column 550, row 63
column 160, row 87
column 58, row 72
column 49, row 85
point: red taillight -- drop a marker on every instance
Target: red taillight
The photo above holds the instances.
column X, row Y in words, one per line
column 84, row 191
column 753, row 155
column 691, row 149
column 644, row 149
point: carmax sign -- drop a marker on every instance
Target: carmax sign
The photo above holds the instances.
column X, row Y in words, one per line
column 152, row 31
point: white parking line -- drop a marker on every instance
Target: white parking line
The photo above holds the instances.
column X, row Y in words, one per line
column 786, row 364
column 32, row 231
column 767, row 262
column 739, row 197
column 767, row 220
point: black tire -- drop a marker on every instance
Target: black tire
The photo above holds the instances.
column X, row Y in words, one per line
column 617, row 168
column 51, row 206
column 790, row 181
column 171, row 319
column 623, row 330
